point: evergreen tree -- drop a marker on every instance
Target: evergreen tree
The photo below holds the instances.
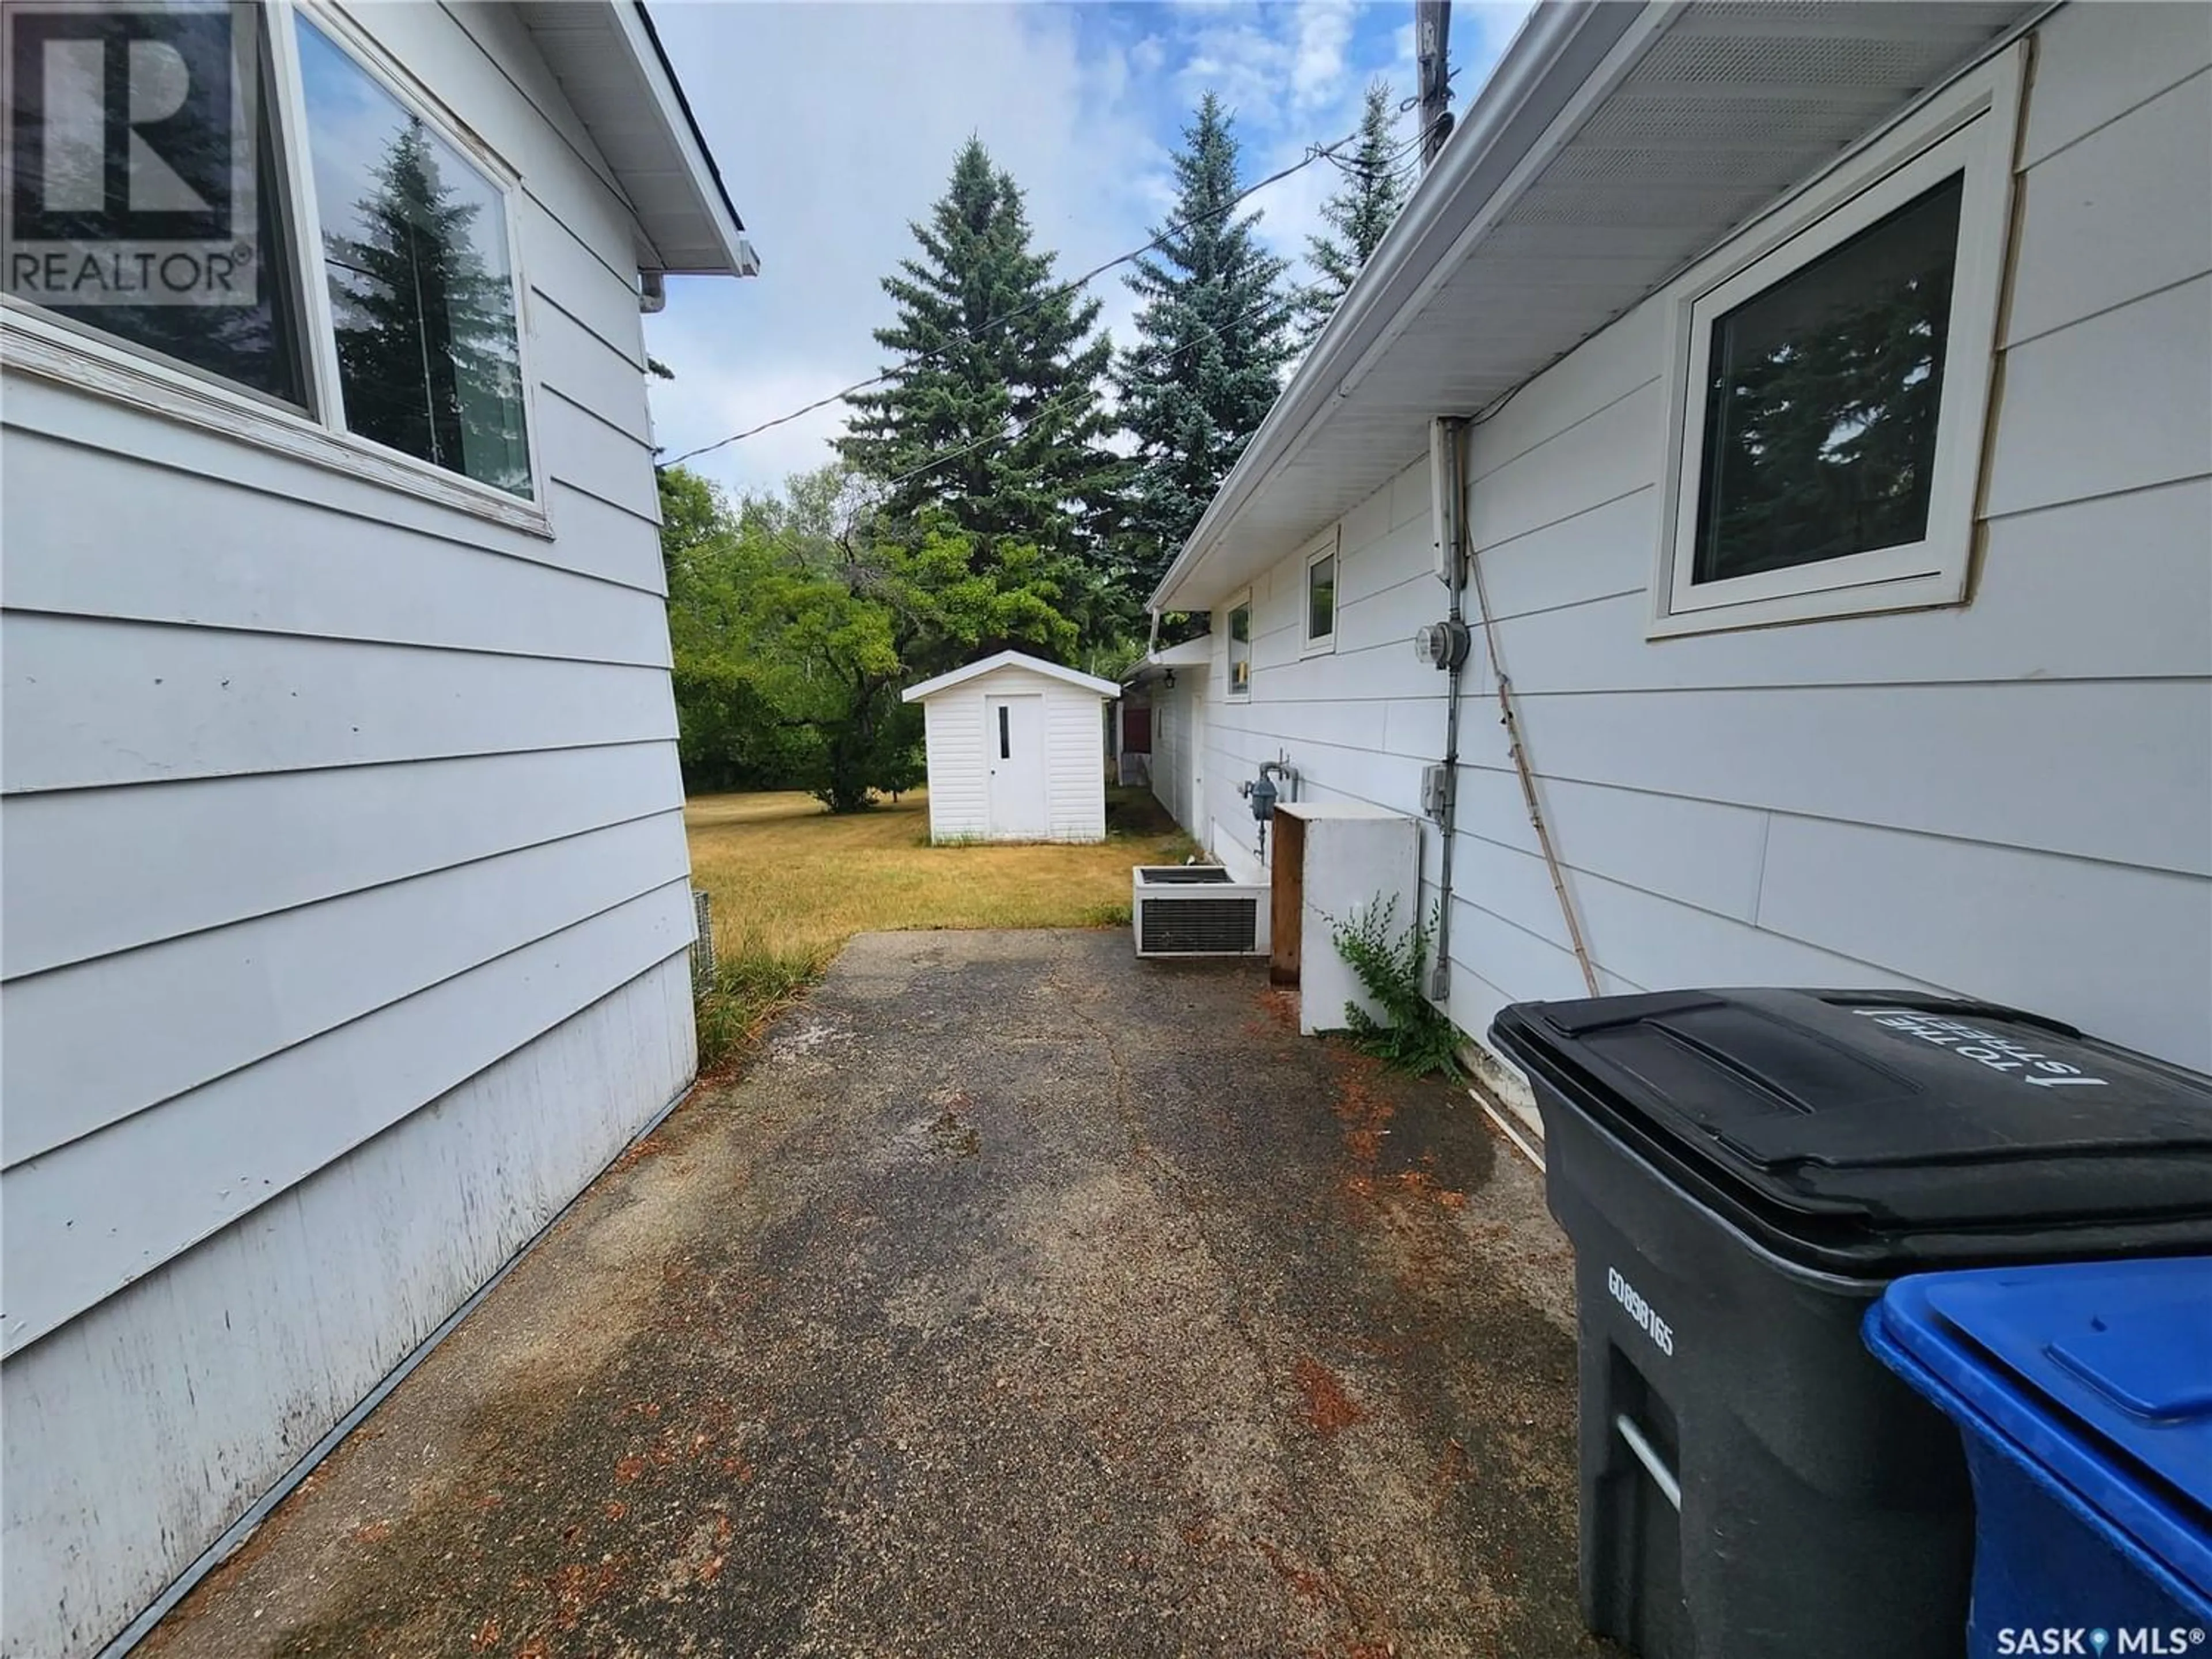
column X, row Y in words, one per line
column 426, row 341
column 1358, row 214
column 1213, row 335
column 994, row 413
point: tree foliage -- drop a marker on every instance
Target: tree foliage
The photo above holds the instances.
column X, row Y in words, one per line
column 992, row 413
column 1359, row 215
column 796, row 623
column 1213, row 336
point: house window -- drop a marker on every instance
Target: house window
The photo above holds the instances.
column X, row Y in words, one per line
column 1240, row 649
column 183, row 210
column 1821, row 401
column 1831, row 379
column 414, row 249
column 175, row 175
column 1321, row 568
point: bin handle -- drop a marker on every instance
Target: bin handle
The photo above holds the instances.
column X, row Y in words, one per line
column 1654, row 1465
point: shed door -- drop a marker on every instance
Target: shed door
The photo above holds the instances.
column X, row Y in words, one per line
column 1013, row 752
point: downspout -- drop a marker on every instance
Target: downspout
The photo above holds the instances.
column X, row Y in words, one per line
column 1449, row 453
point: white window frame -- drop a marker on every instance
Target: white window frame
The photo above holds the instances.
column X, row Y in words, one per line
column 38, row 342
column 1968, row 127
column 1229, row 689
column 1327, row 545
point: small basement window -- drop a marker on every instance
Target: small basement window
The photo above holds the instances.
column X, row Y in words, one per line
column 1320, row 575
column 1831, row 381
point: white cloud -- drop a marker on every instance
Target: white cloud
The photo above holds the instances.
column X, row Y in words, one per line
column 1317, row 71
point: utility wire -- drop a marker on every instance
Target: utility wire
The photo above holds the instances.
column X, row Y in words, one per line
column 1314, row 152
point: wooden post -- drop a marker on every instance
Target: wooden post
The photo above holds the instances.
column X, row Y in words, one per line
column 1432, row 53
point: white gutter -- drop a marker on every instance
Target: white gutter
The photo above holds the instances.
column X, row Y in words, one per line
column 1559, row 46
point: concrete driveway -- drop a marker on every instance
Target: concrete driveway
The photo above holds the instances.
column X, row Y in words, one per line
column 1021, row 1299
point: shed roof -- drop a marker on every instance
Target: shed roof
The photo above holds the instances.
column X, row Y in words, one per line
column 1074, row 676
column 617, row 78
column 1614, row 146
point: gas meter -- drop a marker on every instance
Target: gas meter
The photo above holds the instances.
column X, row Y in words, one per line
column 1261, row 793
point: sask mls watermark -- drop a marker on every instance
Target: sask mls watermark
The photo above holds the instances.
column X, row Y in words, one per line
column 130, row 155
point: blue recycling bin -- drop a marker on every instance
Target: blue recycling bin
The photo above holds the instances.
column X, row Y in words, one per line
column 2084, row 1395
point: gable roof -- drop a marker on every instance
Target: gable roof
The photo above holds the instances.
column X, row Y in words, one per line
column 1615, row 145
column 1011, row 659
column 610, row 64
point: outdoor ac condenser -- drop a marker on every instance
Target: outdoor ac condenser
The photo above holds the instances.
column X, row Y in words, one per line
column 1196, row 910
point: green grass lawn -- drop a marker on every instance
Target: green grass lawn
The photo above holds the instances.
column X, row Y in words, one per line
column 791, row 884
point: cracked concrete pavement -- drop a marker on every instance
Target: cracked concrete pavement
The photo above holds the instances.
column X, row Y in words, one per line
column 1021, row 1298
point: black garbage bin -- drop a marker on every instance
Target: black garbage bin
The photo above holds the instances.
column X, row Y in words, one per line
column 1741, row 1172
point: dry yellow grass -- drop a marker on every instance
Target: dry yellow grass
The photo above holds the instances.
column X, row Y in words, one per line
column 791, row 884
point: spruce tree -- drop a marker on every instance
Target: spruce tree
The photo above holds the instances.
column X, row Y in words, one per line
column 425, row 339
column 1360, row 214
column 993, row 414
column 1213, row 335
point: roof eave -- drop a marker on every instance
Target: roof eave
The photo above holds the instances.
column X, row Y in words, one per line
column 1559, row 45
column 683, row 127
column 609, row 61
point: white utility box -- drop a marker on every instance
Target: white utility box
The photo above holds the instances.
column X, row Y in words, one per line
column 1331, row 861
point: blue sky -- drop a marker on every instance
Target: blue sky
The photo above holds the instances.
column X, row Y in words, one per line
column 836, row 124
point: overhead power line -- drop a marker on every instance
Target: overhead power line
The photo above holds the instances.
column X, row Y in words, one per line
column 1314, row 152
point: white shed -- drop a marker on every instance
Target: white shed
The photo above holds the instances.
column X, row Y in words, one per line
column 1017, row 751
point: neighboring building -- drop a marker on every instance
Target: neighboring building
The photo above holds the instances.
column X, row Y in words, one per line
column 346, row 892
column 1171, row 686
column 1895, row 668
column 1017, row 751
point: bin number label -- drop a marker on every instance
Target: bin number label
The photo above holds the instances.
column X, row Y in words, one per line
column 1999, row 1053
column 1646, row 1317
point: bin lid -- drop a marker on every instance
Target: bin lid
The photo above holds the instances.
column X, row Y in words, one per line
column 1877, row 1133
column 2101, row 1372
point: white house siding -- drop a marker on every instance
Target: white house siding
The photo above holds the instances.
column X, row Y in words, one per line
column 346, row 895
column 2012, row 800
column 1075, row 757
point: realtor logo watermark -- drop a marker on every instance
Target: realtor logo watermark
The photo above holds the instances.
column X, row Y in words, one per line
column 2100, row 1641
column 130, row 152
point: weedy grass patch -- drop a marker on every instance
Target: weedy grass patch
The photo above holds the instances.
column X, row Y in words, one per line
column 791, row 884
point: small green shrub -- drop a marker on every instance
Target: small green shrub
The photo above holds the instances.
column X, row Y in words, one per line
column 1393, row 968
column 1106, row 915
column 751, row 987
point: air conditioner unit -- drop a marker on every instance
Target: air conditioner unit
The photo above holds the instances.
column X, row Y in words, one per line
column 1196, row 910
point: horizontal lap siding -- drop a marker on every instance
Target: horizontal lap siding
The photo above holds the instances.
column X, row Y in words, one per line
column 954, row 734
column 345, row 900
column 137, row 1431
column 2009, row 799
column 1075, row 763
